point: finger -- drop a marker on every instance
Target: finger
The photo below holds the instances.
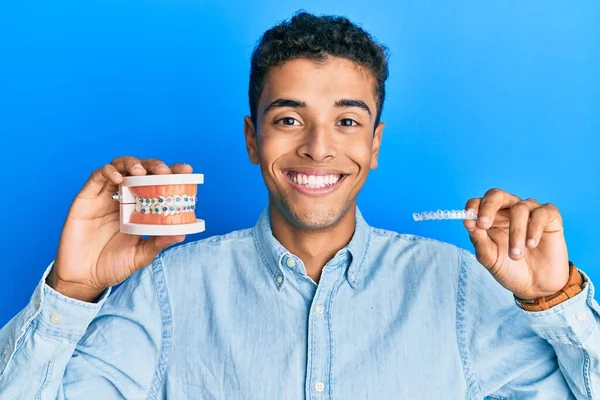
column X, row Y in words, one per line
column 181, row 168
column 517, row 228
column 113, row 179
column 98, row 181
column 128, row 166
column 492, row 201
column 155, row 166
column 473, row 205
column 485, row 249
column 538, row 222
column 146, row 250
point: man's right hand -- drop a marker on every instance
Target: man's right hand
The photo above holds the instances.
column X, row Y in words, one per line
column 92, row 253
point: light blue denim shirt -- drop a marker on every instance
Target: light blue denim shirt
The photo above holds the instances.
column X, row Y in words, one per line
column 394, row 316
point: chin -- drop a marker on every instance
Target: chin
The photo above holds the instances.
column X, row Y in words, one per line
column 315, row 217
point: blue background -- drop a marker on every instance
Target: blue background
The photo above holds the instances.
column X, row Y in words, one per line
column 480, row 95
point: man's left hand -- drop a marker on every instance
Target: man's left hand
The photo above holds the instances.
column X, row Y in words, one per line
column 529, row 270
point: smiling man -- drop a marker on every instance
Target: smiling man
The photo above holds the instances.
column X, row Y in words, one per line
column 318, row 135
column 311, row 302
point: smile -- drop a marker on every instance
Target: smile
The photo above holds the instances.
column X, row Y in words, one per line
column 317, row 182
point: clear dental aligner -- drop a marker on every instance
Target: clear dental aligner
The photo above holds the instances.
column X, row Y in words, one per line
column 165, row 205
column 444, row 214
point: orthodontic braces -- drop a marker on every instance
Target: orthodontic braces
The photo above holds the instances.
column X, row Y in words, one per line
column 444, row 214
column 166, row 205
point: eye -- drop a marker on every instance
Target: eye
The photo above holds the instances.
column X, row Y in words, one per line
column 348, row 122
column 288, row 121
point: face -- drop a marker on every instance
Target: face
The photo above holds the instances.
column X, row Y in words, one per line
column 315, row 138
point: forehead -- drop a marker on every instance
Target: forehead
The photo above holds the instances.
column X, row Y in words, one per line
column 319, row 81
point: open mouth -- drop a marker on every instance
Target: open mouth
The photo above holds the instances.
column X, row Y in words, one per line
column 314, row 183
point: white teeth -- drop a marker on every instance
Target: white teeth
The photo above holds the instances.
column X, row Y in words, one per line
column 314, row 181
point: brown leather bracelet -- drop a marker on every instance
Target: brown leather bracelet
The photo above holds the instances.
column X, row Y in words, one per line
column 572, row 288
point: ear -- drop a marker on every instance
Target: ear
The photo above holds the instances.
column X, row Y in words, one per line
column 376, row 145
column 251, row 140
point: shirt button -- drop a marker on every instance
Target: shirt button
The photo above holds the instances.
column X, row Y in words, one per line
column 36, row 303
column 4, row 353
column 319, row 387
column 279, row 279
column 580, row 316
column 290, row 262
column 55, row 319
column 351, row 276
column 320, row 308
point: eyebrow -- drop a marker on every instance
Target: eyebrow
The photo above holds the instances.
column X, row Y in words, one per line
column 279, row 103
column 353, row 103
column 342, row 103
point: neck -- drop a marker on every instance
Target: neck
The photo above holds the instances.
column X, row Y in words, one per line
column 314, row 247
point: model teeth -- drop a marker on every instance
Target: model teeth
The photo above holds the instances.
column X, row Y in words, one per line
column 166, row 205
column 314, row 181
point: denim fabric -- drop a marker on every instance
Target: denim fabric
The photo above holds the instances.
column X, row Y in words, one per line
column 394, row 316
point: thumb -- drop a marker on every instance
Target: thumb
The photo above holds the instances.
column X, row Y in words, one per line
column 485, row 248
column 148, row 249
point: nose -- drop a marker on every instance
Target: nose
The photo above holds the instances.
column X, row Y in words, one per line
column 317, row 145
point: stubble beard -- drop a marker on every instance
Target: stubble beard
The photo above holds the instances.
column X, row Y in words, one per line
column 317, row 219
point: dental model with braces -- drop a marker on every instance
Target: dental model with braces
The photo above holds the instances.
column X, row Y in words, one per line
column 157, row 205
column 444, row 214
column 169, row 205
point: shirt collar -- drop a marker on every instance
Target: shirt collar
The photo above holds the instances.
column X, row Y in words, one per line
column 276, row 257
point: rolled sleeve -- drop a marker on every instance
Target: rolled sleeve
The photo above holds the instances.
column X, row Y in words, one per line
column 51, row 350
column 53, row 314
column 63, row 317
column 571, row 321
column 48, row 313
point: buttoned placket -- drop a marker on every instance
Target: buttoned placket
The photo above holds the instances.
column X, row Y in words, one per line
column 318, row 374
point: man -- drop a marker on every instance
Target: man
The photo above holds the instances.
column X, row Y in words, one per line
column 311, row 302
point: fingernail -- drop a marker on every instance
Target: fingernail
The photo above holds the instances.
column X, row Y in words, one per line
column 515, row 251
column 531, row 242
column 485, row 221
column 116, row 174
column 138, row 166
column 163, row 165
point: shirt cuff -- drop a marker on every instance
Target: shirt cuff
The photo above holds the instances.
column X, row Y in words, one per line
column 571, row 321
column 60, row 316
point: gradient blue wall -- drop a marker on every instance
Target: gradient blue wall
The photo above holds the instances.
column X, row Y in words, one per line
column 480, row 95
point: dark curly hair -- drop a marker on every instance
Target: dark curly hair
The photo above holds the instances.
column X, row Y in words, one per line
column 316, row 37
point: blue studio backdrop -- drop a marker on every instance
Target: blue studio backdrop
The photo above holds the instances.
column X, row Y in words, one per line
column 480, row 95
